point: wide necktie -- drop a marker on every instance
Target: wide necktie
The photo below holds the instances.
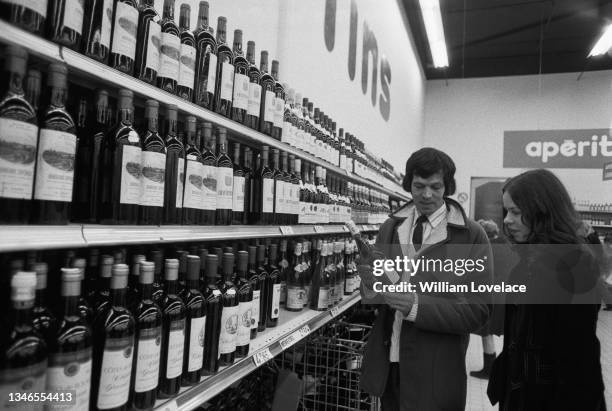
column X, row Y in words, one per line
column 417, row 235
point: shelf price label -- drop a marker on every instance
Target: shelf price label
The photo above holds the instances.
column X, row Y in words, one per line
column 294, row 337
column 262, row 357
column 169, row 406
column 286, row 230
column 335, row 311
column 319, row 229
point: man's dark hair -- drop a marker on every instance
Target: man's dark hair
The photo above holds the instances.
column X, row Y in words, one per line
column 427, row 162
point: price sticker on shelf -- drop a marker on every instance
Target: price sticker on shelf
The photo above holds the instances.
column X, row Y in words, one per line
column 262, row 357
column 294, row 337
column 169, row 406
column 286, row 230
column 335, row 311
column 319, row 229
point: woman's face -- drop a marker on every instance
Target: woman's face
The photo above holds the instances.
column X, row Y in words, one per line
column 513, row 220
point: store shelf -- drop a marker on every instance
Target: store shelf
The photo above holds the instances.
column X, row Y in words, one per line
column 90, row 69
column 33, row 237
column 294, row 327
column 594, row 212
column 602, row 226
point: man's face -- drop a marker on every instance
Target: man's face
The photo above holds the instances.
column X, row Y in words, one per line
column 428, row 193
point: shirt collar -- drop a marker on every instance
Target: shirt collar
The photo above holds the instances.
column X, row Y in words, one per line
column 436, row 217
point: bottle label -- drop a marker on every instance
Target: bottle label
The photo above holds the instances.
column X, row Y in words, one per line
column 241, row 91
column 196, row 343
column 176, row 345
column 254, row 99
column 193, row 185
column 275, row 307
column 130, row 174
column 244, row 323
column 115, row 373
column 227, row 81
column 238, row 195
column 105, row 30
column 323, row 300
column 295, row 297
column 187, row 66
column 39, row 6
column 153, row 45
column 126, row 24
column 255, row 309
column 55, row 166
column 17, row 158
column 270, row 106
column 71, row 371
column 212, row 73
column 73, row 15
column 152, row 181
column 279, row 197
column 147, row 360
column 229, row 330
column 279, row 112
column 180, row 179
column 169, row 56
column 225, row 188
column 30, row 379
column 209, row 188
column 267, row 195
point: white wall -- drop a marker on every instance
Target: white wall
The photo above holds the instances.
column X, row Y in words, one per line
column 467, row 118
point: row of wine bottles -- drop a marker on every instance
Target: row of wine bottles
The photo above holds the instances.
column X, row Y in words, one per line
column 121, row 336
column 196, row 66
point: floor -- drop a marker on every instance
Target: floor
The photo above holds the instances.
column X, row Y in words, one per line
column 477, row 389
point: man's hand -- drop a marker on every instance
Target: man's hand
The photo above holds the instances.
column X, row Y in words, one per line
column 402, row 302
column 367, row 278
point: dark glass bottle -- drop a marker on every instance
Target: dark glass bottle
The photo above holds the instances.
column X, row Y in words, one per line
column 224, row 88
column 167, row 76
column 257, row 286
column 296, row 182
column 193, row 197
column 295, row 280
column 264, row 281
column 187, row 64
column 254, row 103
column 273, row 288
column 91, row 275
column 340, row 270
column 181, row 255
column 206, row 61
column 175, row 167
column 148, row 315
column 238, row 199
column 19, row 130
column 31, row 16
column 229, row 315
column 70, row 350
column 209, row 178
column 84, row 308
column 248, row 179
column 245, row 305
column 23, row 352
column 97, row 29
column 240, row 98
column 121, row 152
column 133, row 283
column 125, row 31
column 263, row 192
column 225, row 181
column 309, row 266
column 57, row 143
column 102, row 295
column 279, row 189
column 214, row 308
column 114, row 331
column 153, row 166
column 319, row 292
column 149, row 42
column 268, row 97
column 157, row 257
column 287, row 202
column 43, row 319
column 196, row 323
column 283, row 266
column 279, row 104
column 65, row 22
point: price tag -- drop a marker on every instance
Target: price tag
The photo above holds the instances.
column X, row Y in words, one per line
column 294, row 337
column 319, row 229
column 286, row 230
column 335, row 311
column 345, row 228
column 169, row 406
column 262, row 357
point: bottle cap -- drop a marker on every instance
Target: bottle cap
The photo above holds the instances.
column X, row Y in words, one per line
column 57, row 75
column 203, row 253
column 238, row 36
column 273, row 253
column 172, row 267
column 222, row 135
column 80, row 264
column 41, row 270
column 243, row 260
column 212, row 266
column 106, row 266
column 182, row 258
column 191, row 124
column 71, row 282
column 252, row 254
column 125, row 99
column 23, row 285
column 119, row 278
column 157, row 257
column 147, row 269
column 193, row 268
column 261, row 253
column 228, row 263
column 283, row 245
column 16, row 59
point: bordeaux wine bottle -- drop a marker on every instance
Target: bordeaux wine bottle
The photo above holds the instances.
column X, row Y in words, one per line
column 266, row 114
column 23, row 353
column 57, row 143
column 91, row 275
column 70, row 349
column 121, row 152
column 295, row 281
column 149, row 42
column 240, row 99
column 331, row 273
column 133, row 283
column 167, row 76
column 279, row 189
column 229, row 315
column 206, row 61
column 225, row 71
column 175, row 167
column 153, row 163
column 319, row 292
column 148, row 315
column 287, row 202
column 256, row 286
column 84, row 308
column 181, row 255
column 102, row 295
column 245, row 305
column 274, row 287
column 157, row 257
column 264, row 281
column 65, row 22
column 43, row 319
column 295, row 188
column 19, row 131
column 125, row 28
column 254, row 104
column 263, row 192
column 214, row 308
column 173, row 334
column 186, row 78
column 193, row 198
column 279, row 103
column 97, row 29
column 340, row 269
column 283, row 266
column 225, row 181
column 209, row 178
column 238, row 198
column 196, row 323
column 248, row 179
column 30, row 16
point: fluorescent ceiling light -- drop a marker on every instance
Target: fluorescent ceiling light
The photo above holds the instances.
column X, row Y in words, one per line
column 603, row 44
column 430, row 9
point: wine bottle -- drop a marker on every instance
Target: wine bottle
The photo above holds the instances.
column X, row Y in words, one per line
column 70, row 349
column 245, row 305
column 187, row 64
column 125, row 29
column 225, row 182
column 30, row 16
column 43, row 319
column 319, row 293
column 248, row 180
column 209, row 178
column 149, row 41
column 173, row 334
column 214, row 308
column 279, row 104
column 289, row 119
column 23, row 357
column 206, row 61
column 148, row 315
column 102, row 296
column 84, row 308
column 121, row 159
column 265, row 300
column 175, row 167
column 349, row 264
column 367, row 252
column 133, row 282
column 157, row 257
column 193, row 199
column 91, row 275
column 65, row 22
column 153, row 163
column 266, row 114
column 308, row 268
column 296, row 187
column 274, row 288
column 196, row 323
column 19, row 131
column 256, row 286
column 225, row 71
column 332, row 269
column 295, row 281
column 229, row 315
column 240, row 98
column 167, row 76
column 254, row 103
column 56, row 154
column 238, row 198
column 283, row 266
column 263, row 192
column 287, row 192
column 279, row 189
column 97, row 28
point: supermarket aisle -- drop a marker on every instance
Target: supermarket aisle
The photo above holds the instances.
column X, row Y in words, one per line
column 477, row 389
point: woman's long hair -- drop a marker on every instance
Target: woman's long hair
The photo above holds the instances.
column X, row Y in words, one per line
column 546, row 208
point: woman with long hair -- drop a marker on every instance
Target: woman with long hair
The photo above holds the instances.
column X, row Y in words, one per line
column 551, row 355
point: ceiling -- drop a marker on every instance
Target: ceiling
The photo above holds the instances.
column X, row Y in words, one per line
column 514, row 37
